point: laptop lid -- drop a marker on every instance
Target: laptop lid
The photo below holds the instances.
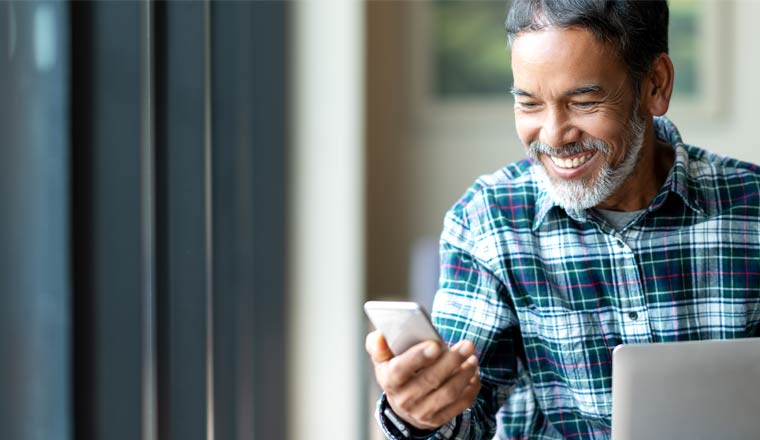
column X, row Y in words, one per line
column 687, row 390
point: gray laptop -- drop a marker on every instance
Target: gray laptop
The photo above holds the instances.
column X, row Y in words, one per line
column 687, row 390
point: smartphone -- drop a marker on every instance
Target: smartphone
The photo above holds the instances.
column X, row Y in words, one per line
column 403, row 324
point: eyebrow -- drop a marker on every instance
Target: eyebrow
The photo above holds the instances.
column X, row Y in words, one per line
column 582, row 90
column 519, row 92
column 588, row 88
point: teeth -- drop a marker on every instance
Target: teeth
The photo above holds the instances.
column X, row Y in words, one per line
column 571, row 163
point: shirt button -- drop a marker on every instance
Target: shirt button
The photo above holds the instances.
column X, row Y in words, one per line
column 620, row 244
column 633, row 315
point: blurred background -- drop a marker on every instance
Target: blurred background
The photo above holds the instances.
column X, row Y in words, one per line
column 198, row 196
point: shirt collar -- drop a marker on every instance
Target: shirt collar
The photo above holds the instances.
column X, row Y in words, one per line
column 679, row 181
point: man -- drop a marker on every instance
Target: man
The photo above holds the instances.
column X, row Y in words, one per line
column 614, row 231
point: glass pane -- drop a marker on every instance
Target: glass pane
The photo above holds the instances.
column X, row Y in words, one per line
column 471, row 51
column 685, row 38
column 471, row 55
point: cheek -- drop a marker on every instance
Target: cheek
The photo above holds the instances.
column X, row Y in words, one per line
column 612, row 134
column 527, row 130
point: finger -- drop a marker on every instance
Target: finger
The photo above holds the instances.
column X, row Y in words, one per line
column 439, row 372
column 453, row 388
column 468, row 396
column 377, row 347
column 476, row 378
column 426, row 395
column 405, row 366
column 447, row 401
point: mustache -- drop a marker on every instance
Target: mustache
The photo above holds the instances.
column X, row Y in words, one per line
column 537, row 147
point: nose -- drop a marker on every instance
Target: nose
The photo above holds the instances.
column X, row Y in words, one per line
column 557, row 129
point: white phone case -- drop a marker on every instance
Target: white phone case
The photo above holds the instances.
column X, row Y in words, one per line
column 404, row 324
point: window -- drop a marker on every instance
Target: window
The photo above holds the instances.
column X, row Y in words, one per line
column 470, row 49
column 460, row 62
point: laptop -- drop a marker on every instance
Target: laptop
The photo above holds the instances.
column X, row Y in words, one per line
column 687, row 390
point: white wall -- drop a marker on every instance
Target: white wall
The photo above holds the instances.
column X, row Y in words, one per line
column 326, row 257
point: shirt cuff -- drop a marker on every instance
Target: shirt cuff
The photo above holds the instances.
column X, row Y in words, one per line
column 396, row 428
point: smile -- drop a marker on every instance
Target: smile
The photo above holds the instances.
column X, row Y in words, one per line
column 574, row 162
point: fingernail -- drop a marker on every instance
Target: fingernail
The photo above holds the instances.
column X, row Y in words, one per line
column 466, row 349
column 432, row 350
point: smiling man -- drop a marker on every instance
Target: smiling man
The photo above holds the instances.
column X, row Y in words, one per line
column 587, row 129
column 613, row 231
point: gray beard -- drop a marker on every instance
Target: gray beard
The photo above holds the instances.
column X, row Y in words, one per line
column 580, row 194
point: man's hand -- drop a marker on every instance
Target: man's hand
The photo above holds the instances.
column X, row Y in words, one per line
column 426, row 385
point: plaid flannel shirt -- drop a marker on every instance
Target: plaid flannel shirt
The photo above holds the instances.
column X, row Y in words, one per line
column 546, row 294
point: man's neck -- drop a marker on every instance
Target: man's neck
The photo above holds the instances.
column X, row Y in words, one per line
column 638, row 190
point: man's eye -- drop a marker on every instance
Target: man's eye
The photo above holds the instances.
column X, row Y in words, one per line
column 527, row 105
column 586, row 104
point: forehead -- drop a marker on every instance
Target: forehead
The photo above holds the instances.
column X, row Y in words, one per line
column 563, row 58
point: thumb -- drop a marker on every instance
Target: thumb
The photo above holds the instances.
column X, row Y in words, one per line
column 377, row 347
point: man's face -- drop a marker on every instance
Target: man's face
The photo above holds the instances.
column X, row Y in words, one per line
column 576, row 112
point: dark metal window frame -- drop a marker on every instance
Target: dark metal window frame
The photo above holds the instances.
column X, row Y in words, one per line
column 179, row 183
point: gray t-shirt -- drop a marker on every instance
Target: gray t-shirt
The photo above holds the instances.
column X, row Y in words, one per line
column 618, row 219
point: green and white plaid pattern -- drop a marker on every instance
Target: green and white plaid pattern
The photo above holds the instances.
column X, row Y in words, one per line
column 546, row 294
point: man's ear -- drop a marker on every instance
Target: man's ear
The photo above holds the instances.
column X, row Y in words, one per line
column 657, row 86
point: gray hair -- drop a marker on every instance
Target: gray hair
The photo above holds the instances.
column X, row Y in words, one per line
column 637, row 30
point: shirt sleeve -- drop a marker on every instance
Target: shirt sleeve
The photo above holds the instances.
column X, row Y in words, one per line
column 395, row 428
column 472, row 303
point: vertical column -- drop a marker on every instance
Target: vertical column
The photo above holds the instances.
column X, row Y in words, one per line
column 35, row 325
column 113, row 219
column 184, row 255
column 249, row 90
column 326, row 212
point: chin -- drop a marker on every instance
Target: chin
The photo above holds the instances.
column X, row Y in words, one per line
column 577, row 193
